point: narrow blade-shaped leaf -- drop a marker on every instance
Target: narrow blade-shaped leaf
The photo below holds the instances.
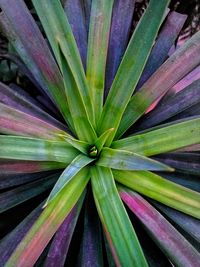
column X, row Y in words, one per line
column 91, row 253
column 80, row 145
column 48, row 223
column 70, row 172
column 11, row 167
column 13, row 121
column 100, row 20
column 75, row 11
column 122, row 238
column 179, row 102
column 184, row 162
column 18, row 99
column 131, row 67
column 56, row 26
column 56, row 257
column 162, row 190
column 173, row 244
column 18, row 24
column 23, row 193
column 187, row 223
column 10, row 241
column 119, row 34
column 176, row 67
column 100, row 142
column 162, row 140
column 170, row 30
column 11, row 180
column 24, row 148
column 82, row 124
column 125, row 160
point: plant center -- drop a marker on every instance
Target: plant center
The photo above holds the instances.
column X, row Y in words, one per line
column 93, row 152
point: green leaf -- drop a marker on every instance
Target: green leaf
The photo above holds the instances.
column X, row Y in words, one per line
column 59, row 33
column 126, row 160
column 120, row 233
column 162, row 190
column 100, row 142
column 83, row 127
column 174, row 69
column 48, row 222
column 162, row 140
column 100, row 20
column 24, row 148
column 69, row 173
column 173, row 244
column 131, row 67
column 80, row 145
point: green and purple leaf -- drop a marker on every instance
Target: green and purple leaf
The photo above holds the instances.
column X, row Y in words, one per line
column 170, row 31
column 161, row 190
column 48, row 223
column 175, row 68
column 56, row 257
column 18, row 24
column 173, row 244
column 131, row 67
column 119, row 35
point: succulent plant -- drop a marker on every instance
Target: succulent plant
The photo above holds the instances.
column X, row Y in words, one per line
column 108, row 147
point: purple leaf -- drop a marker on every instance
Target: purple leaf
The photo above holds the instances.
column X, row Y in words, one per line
column 187, row 80
column 166, row 39
column 10, row 242
column 60, row 244
column 13, row 121
column 91, row 249
column 13, row 167
column 179, row 102
column 187, row 162
column 16, row 100
column 173, row 244
column 187, row 223
column 119, row 35
column 75, row 12
column 7, row 180
column 17, row 24
column 14, row 197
